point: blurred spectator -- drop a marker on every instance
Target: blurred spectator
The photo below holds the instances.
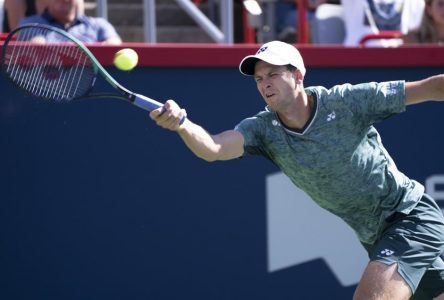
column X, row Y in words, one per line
column 63, row 14
column 327, row 27
column 287, row 16
column 2, row 14
column 431, row 29
column 17, row 9
column 364, row 17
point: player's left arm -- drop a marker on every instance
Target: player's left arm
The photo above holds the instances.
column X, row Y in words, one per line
column 429, row 89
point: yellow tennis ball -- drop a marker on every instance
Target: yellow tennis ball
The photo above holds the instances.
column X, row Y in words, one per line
column 126, row 59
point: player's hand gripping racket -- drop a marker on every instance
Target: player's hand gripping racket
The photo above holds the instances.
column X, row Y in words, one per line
column 52, row 64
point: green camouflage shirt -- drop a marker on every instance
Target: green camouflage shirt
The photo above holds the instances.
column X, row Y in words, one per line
column 338, row 158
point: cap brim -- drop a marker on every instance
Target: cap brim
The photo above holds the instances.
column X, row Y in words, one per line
column 246, row 66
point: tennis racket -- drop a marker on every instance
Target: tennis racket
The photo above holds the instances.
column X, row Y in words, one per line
column 50, row 63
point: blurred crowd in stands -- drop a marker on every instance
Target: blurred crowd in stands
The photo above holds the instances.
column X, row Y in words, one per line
column 384, row 23
column 349, row 22
column 64, row 14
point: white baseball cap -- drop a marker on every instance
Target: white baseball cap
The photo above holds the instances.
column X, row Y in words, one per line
column 275, row 53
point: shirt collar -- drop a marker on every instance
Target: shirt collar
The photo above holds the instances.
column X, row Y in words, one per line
column 309, row 122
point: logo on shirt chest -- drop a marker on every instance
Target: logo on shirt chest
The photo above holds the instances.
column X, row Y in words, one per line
column 331, row 116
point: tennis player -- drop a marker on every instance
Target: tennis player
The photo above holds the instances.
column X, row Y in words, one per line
column 325, row 142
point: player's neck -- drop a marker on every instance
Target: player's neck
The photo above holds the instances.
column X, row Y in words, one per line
column 299, row 114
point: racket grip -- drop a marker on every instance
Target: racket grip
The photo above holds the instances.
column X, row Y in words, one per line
column 146, row 103
column 150, row 104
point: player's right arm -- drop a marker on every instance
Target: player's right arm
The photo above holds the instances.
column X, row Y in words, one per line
column 224, row 146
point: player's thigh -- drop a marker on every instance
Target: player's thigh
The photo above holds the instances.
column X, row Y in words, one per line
column 413, row 243
column 431, row 285
column 382, row 281
column 440, row 297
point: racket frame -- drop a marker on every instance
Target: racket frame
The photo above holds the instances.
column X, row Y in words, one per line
column 134, row 98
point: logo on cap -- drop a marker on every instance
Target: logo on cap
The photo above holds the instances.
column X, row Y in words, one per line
column 261, row 50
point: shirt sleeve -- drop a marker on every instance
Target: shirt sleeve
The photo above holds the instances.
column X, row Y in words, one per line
column 250, row 130
column 373, row 102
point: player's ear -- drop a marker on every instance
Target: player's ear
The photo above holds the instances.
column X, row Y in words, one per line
column 298, row 76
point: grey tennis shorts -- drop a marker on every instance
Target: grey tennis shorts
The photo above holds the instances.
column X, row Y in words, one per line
column 415, row 242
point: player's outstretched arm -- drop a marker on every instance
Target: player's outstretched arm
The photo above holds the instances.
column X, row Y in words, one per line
column 223, row 146
column 431, row 88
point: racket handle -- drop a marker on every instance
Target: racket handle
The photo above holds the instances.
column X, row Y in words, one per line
column 146, row 103
column 150, row 104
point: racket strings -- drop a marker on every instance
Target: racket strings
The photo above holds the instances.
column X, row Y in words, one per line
column 47, row 64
